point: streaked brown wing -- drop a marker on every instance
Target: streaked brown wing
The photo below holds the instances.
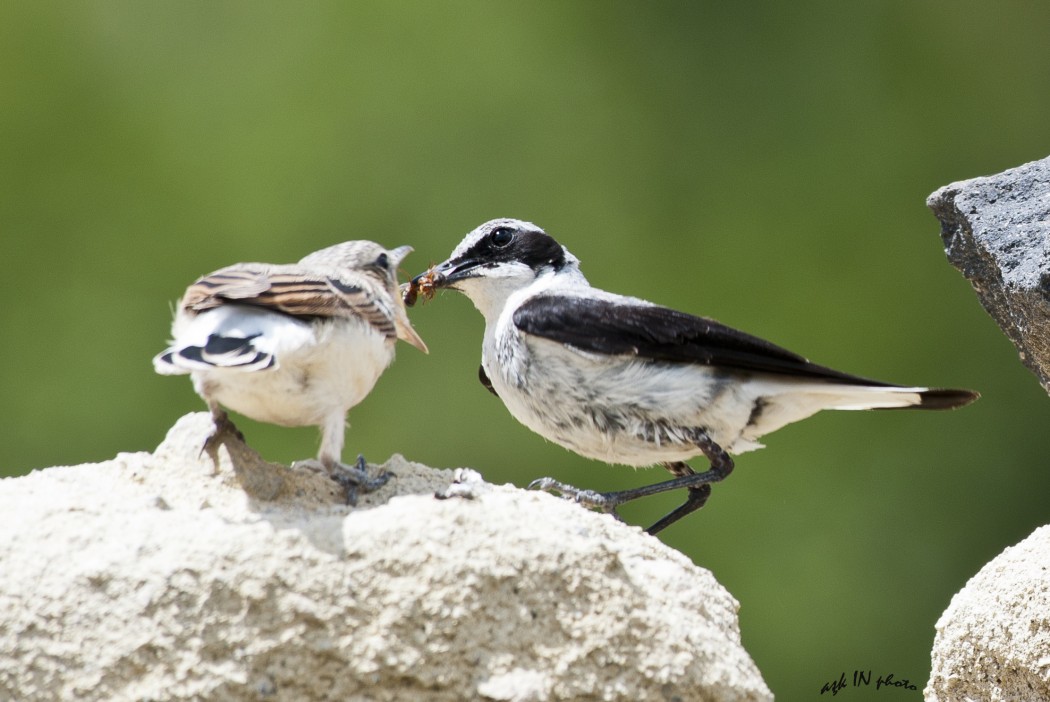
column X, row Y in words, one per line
column 299, row 295
column 215, row 288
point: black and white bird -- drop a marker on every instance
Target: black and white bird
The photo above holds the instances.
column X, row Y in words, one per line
column 296, row 344
column 625, row 381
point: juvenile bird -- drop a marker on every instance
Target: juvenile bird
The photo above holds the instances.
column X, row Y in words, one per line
column 296, row 344
column 625, row 381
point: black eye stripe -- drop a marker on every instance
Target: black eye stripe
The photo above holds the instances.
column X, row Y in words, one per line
column 530, row 247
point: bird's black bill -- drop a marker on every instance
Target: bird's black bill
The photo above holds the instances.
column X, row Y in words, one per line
column 434, row 278
column 451, row 271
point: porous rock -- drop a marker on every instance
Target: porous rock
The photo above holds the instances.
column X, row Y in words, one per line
column 996, row 231
column 993, row 641
column 216, row 575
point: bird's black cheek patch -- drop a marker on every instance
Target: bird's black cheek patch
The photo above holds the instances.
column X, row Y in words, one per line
column 537, row 250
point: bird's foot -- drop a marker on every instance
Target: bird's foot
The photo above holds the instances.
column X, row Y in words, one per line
column 355, row 479
column 224, row 428
column 601, row 501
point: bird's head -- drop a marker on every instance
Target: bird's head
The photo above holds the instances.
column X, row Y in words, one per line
column 496, row 260
column 379, row 264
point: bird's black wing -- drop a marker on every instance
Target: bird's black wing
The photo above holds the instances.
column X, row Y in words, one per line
column 662, row 334
column 484, row 378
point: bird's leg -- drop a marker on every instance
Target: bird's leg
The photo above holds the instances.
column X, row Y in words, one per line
column 696, row 499
column 353, row 479
column 223, row 426
column 698, row 485
column 721, row 466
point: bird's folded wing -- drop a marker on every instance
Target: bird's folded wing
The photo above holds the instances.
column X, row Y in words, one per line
column 299, row 294
column 629, row 328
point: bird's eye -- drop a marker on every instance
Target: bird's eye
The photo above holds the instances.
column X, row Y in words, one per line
column 382, row 261
column 502, row 237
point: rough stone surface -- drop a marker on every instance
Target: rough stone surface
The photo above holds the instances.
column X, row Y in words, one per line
column 996, row 231
column 181, row 575
column 993, row 641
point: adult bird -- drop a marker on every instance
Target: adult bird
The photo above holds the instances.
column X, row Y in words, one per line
column 295, row 344
column 625, row 381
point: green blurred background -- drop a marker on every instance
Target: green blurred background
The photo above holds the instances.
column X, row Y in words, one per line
column 763, row 163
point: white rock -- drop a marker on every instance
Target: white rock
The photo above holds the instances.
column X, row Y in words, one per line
column 177, row 575
column 993, row 641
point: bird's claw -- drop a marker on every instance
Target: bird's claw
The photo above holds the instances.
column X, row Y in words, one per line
column 355, row 479
column 588, row 498
column 224, row 427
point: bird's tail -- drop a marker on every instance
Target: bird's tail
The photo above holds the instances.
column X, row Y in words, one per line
column 234, row 353
column 939, row 399
column 781, row 403
column 851, row 397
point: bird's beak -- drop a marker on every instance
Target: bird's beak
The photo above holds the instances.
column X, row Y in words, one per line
column 398, row 255
column 405, row 332
column 446, row 274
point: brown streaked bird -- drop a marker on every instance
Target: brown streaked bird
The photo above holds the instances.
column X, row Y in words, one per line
column 295, row 344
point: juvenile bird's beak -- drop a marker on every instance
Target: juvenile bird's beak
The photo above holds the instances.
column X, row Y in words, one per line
column 399, row 254
column 405, row 332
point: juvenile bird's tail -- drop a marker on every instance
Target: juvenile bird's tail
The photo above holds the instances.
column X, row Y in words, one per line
column 234, row 353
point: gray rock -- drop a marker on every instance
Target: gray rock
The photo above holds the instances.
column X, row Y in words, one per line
column 996, row 231
column 177, row 575
column 993, row 641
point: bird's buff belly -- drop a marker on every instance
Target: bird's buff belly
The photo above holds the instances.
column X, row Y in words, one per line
column 289, row 395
